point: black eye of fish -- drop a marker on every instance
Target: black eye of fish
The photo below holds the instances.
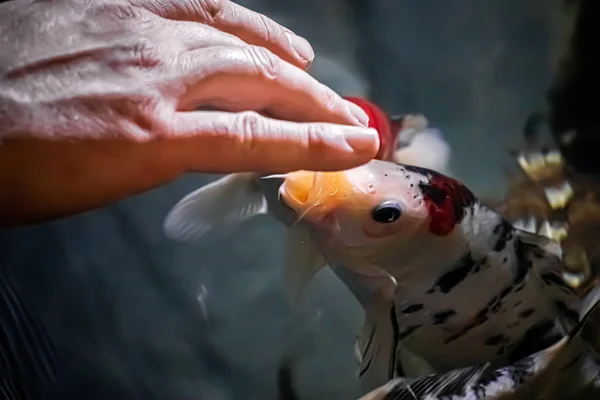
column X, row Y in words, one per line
column 387, row 212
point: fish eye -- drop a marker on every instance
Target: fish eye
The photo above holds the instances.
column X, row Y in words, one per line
column 387, row 212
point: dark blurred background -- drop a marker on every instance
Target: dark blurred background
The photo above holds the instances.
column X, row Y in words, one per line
column 135, row 316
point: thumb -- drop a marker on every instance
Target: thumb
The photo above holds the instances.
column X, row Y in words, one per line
column 221, row 142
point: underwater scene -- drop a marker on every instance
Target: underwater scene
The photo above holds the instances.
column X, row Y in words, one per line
column 460, row 263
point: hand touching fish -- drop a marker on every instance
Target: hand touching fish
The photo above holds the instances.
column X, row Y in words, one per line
column 238, row 197
column 103, row 99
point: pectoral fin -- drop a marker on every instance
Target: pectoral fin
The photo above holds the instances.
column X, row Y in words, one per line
column 412, row 364
column 227, row 201
column 302, row 262
column 376, row 344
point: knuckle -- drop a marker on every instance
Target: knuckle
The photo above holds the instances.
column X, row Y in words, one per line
column 315, row 135
column 134, row 55
column 209, row 11
column 269, row 28
column 247, row 126
column 331, row 98
column 121, row 11
column 265, row 63
column 146, row 52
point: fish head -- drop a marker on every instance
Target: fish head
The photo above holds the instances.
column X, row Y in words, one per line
column 377, row 204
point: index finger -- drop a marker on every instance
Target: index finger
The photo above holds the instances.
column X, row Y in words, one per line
column 252, row 27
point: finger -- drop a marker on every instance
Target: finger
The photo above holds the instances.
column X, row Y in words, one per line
column 223, row 142
column 253, row 78
column 252, row 27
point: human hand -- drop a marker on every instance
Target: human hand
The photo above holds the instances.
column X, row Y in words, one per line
column 120, row 79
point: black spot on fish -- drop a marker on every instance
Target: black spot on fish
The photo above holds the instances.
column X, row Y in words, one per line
column 523, row 264
column 496, row 307
column 567, row 312
column 480, row 319
column 519, row 287
column 434, row 193
column 518, row 303
column 505, row 260
column 493, row 301
column 412, row 308
column 513, row 325
column 442, row 316
column 480, row 264
column 408, row 331
column 553, row 280
column 504, row 232
column 536, row 338
column 496, row 339
column 496, row 302
column 501, row 350
column 526, row 313
column 455, row 276
column 506, row 292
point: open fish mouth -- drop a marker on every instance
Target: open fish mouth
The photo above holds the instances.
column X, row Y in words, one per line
column 313, row 195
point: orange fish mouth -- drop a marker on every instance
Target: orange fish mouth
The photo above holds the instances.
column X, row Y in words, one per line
column 314, row 195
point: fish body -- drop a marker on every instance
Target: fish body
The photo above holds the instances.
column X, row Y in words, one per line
column 556, row 372
column 440, row 275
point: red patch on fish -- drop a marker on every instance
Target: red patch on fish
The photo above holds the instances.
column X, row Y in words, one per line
column 380, row 121
column 446, row 200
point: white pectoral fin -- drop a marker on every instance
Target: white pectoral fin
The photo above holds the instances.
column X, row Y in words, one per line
column 227, row 201
column 302, row 262
column 412, row 364
column 376, row 344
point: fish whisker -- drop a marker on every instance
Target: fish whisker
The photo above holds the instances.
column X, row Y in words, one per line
column 274, row 176
column 304, row 214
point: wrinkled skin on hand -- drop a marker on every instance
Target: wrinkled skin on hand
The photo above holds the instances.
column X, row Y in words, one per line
column 107, row 98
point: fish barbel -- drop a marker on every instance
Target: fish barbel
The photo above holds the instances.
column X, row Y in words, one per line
column 440, row 275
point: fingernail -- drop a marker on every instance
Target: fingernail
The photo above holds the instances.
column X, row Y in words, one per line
column 361, row 139
column 358, row 113
column 302, row 47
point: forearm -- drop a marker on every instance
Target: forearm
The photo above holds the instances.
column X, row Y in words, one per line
column 44, row 180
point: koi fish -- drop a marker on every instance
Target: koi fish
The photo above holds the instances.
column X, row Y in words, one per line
column 443, row 279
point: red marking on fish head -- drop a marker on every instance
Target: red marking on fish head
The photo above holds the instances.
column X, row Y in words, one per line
column 446, row 200
column 389, row 131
